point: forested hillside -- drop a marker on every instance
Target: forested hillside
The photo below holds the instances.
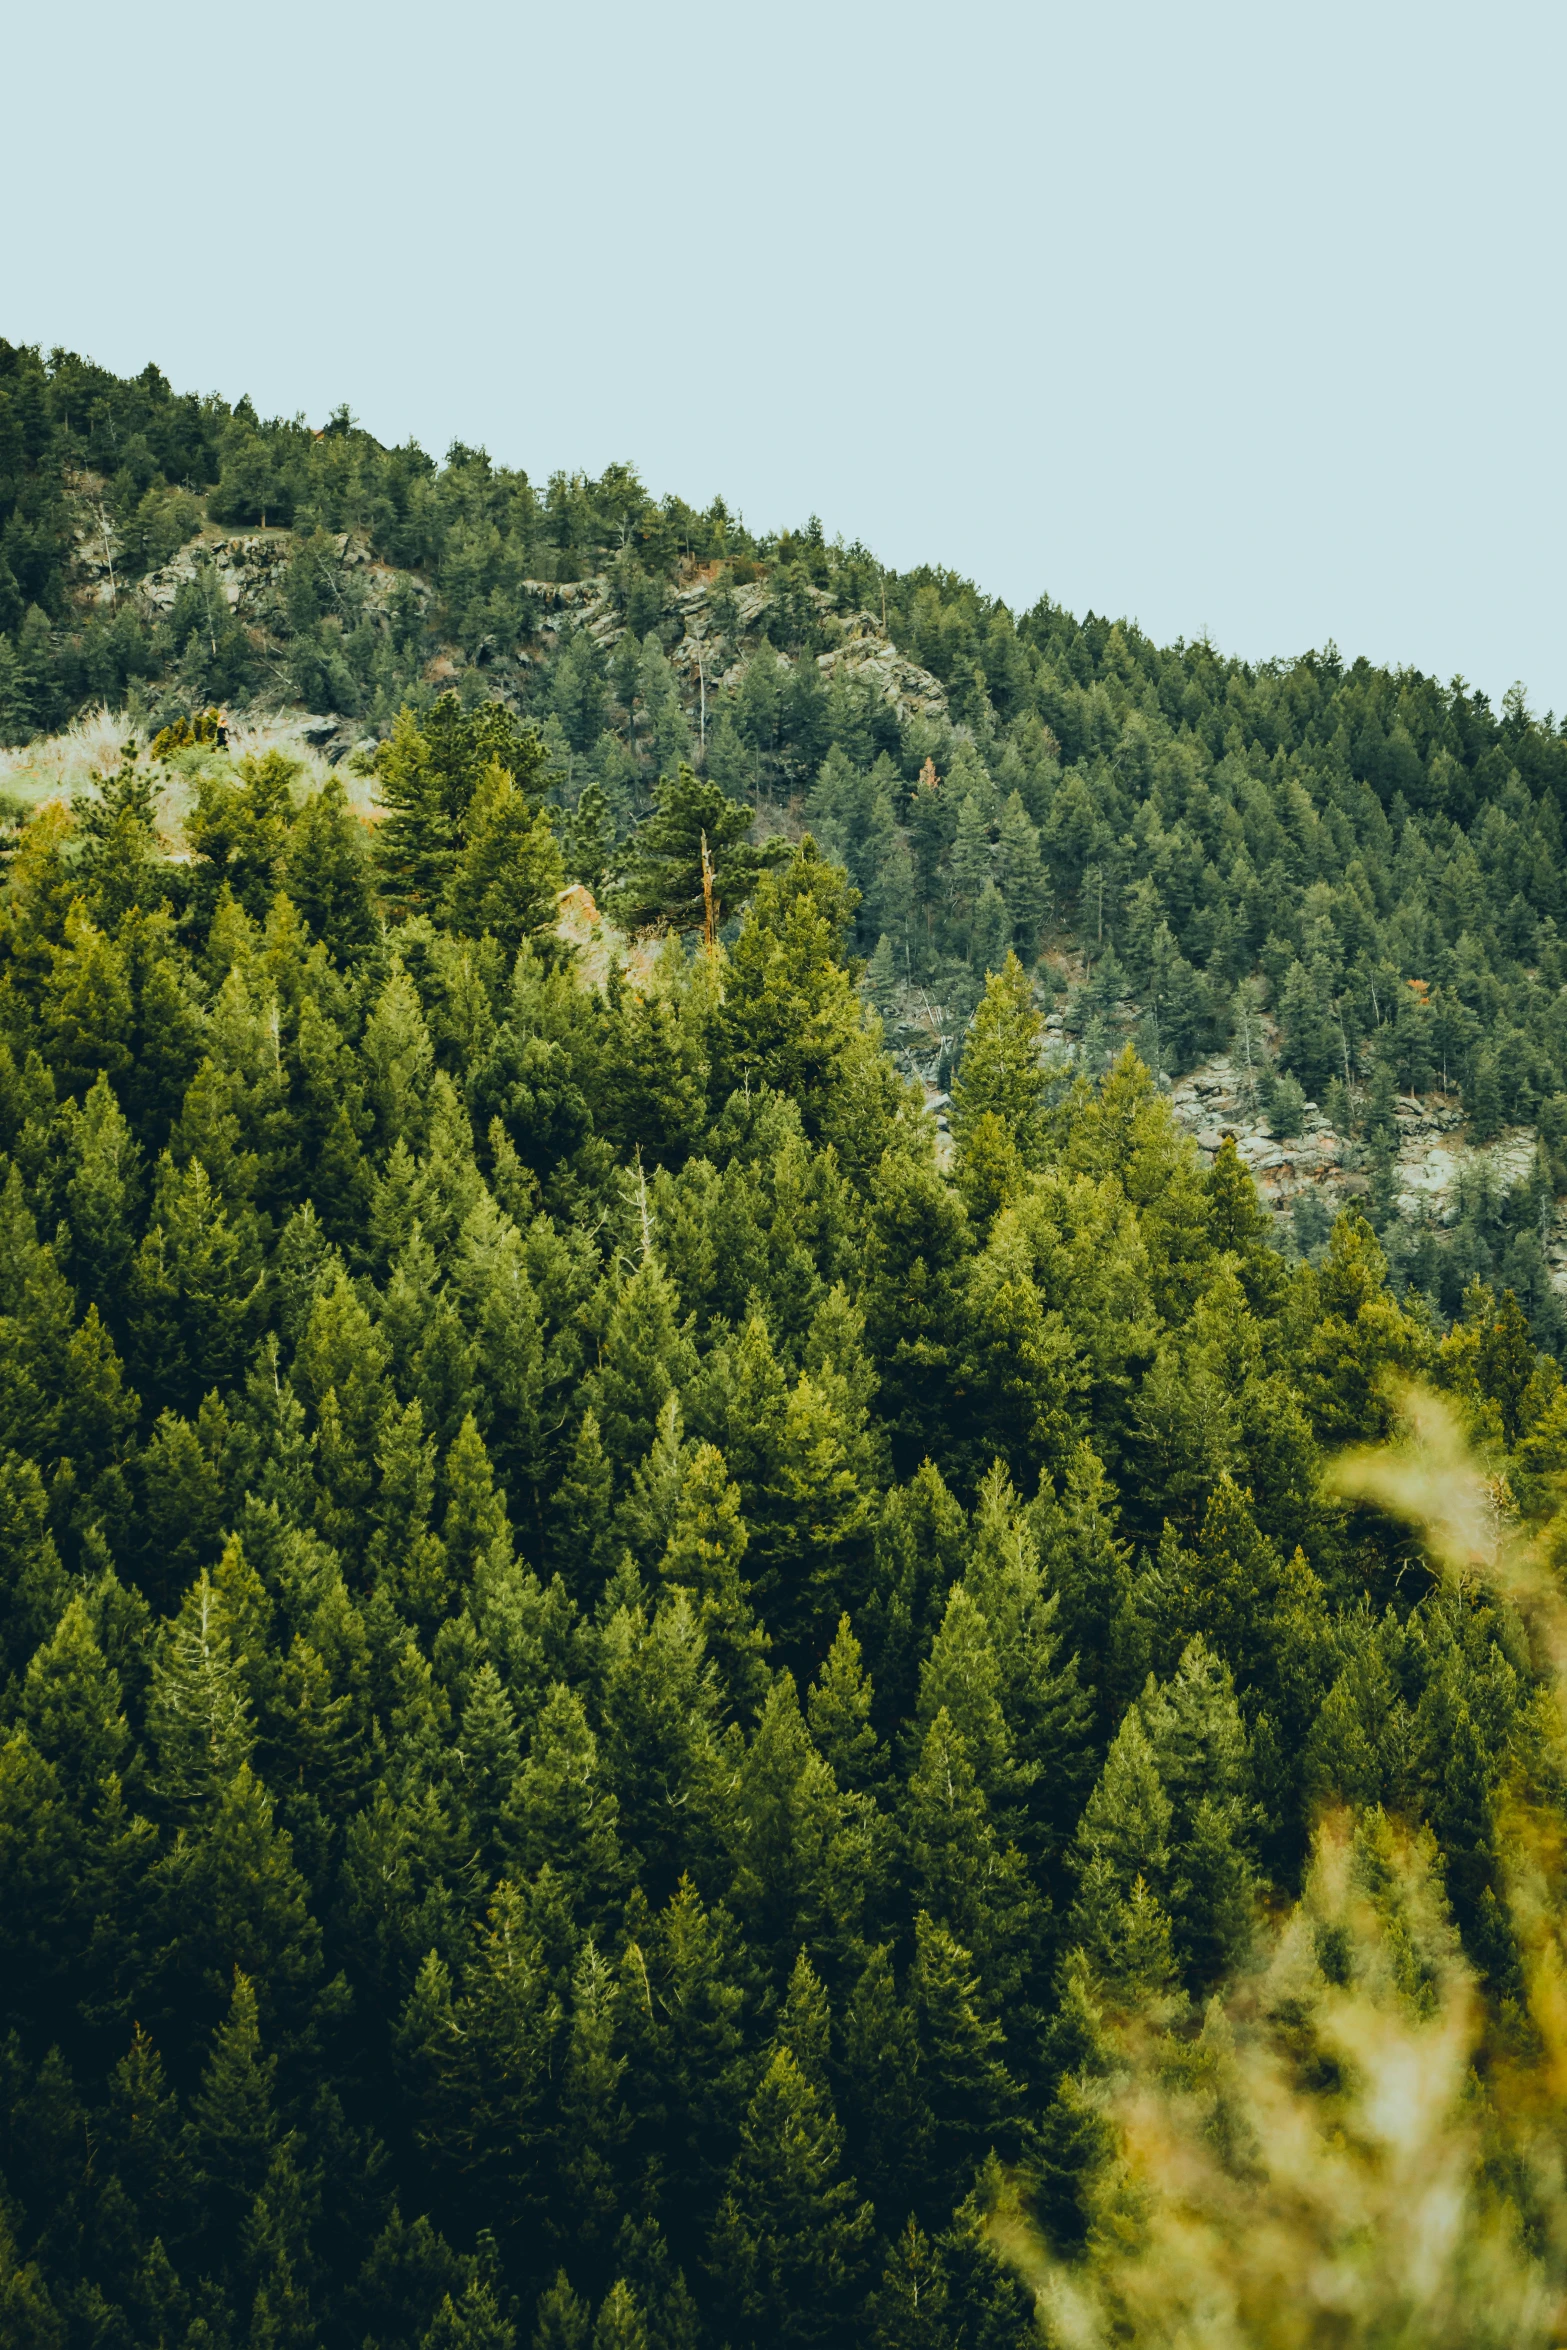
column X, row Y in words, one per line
column 643, row 1705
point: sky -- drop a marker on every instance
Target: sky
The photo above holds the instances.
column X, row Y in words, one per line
column 1243, row 320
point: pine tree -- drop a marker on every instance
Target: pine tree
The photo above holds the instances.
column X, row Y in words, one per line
column 592, row 2116
column 840, row 1709
column 33, row 1587
column 102, row 1194
column 915, row 1258
column 684, row 2011
column 195, row 1292
column 619, row 2324
column 790, row 2242
column 1003, row 1062
column 405, row 1556
column 509, row 872
column 563, row 2319
column 328, row 871
column 961, row 1867
column 475, row 1532
column 1021, row 873
column 1198, row 1745
column 581, row 1512
column 198, row 1711
column 805, row 1576
column 703, row 1554
column 646, row 1357
column 230, row 1892
column 590, row 838
column 647, row 1513
column 792, row 1018
column 71, row 1706
column 1506, row 1362
column 919, row 1551
column 889, row 2118
column 804, row 2025
column 908, row 2310
column 474, row 2322
column 233, row 2126
column 239, row 824
column 659, row 2289
column 142, row 2141
column 652, row 1092
column 1123, row 1854
column 659, row 1705
column 491, row 1751
column 478, row 2056
column 807, row 1856
column 1483, row 1097
column 397, row 1056
column 662, row 870
column 560, row 1811
column 971, row 2095
column 961, row 1679
column 426, row 778
column 881, row 978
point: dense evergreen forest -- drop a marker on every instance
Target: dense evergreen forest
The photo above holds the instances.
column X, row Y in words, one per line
column 626, row 1688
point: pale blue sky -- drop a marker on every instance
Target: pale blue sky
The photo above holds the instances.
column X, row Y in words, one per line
column 1243, row 318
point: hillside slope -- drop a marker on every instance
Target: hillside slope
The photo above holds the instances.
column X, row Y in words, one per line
column 1360, row 868
column 660, row 1690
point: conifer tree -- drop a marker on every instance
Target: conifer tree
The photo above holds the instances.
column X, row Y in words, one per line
column 790, row 2240
column 509, row 872
column 71, row 1706
column 659, row 1703
column 919, row 1550
column 960, row 1866
column 198, row 1711
column 1003, row 1062
column 327, row 872
column 233, row 2125
column 916, row 1250
column 807, row 1857
column 908, row 2309
column 580, row 1539
column 559, row 1809
column 684, row 2012
column 473, row 2322
column 478, row 2055
column 662, row 871
column 703, row 1554
column 887, row 2113
column 971, row 2095
column 840, row 1710
column 475, row 1532
column 32, row 1579
column 1123, row 1852
column 646, row 1357
column 564, row 2318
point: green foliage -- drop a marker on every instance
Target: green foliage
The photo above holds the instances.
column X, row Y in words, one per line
column 662, row 877
column 616, row 1674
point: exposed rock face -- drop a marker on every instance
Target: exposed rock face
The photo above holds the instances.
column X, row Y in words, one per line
column 868, row 652
column 863, row 650
column 248, row 569
column 1434, row 1155
column 1209, row 1104
column 244, row 571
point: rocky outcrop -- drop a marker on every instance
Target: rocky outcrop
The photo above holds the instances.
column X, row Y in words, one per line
column 705, row 654
column 867, row 652
column 247, row 570
column 1435, row 1157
